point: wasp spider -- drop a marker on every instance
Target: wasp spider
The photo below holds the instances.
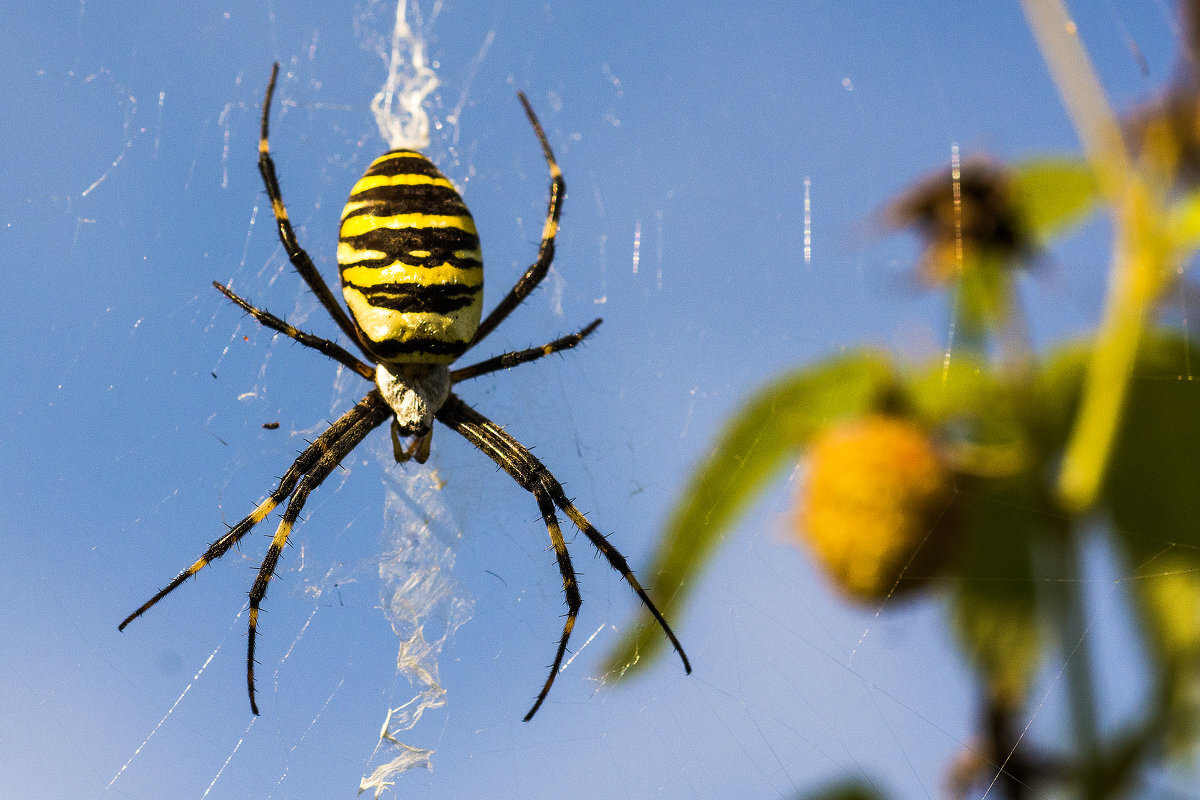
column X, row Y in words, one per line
column 412, row 275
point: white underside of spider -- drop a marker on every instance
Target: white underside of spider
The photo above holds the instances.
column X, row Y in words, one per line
column 414, row 392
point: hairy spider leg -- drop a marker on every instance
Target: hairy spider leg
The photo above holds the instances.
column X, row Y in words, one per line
column 537, row 271
column 296, row 254
column 323, row 346
column 570, row 590
column 534, row 477
column 375, row 413
column 308, row 459
column 518, row 357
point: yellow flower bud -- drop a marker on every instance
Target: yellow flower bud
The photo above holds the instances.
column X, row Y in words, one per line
column 872, row 510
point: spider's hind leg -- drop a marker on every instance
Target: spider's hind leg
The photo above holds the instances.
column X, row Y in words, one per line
column 307, row 460
column 373, row 413
column 533, row 476
column 570, row 589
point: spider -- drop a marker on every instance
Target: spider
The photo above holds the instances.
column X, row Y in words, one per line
column 412, row 275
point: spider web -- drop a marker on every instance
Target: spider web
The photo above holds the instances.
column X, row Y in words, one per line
column 718, row 161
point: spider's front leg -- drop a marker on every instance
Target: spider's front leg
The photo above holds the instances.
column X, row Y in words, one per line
column 538, row 269
column 287, row 237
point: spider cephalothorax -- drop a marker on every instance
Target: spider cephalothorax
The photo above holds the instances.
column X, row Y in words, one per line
column 412, row 274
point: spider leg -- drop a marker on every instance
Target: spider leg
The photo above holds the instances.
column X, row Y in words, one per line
column 506, row 360
column 570, row 589
column 537, row 271
column 300, row 259
column 324, row 346
column 373, row 416
column 533, row 476
column 312, row 456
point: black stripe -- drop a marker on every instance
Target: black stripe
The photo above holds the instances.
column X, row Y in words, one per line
column 424, row 346
column 388, row 240
column 388, row 201
column 436, row 299
column 435, row 259
column 420, row 165
column 432, row 261
column 397, row 243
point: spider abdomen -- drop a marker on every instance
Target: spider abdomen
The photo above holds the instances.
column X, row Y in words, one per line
column 410, row 262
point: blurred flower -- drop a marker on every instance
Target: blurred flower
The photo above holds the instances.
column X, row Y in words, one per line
column 873, row 509
column 966, row 217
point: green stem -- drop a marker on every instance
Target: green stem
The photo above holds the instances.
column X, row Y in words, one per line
column 1141, row 251
column 1135, row 281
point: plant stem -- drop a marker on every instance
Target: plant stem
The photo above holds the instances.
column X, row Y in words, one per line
column 1142, row 253
column 1140, row 264
column 1015, row 777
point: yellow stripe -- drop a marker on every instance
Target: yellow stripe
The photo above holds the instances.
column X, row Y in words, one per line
column 355, row 205
column 403, row 273
column 348, row 255
column 260, row 513
column 356, row 226
column 398, row 154
column 405, row 179
column 281, row 536
column 382, row 325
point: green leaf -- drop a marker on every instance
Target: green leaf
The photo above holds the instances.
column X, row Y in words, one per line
column 1058, row 384
column 960, row 387
column 757, row 443
column 1153, row 482
column 1053, row 194
column 1153, row 489
column 979, row 414
column 995, row 603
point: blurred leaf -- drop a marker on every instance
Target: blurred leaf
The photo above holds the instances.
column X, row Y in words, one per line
column 1185, row 222
column 1153, row 489
column 995, row 602
column 1053, row 194
column 976, row 414
column 1055, row 399
column 959, row 388
column 848, row 790
column 1154, row 476
column 765, row 436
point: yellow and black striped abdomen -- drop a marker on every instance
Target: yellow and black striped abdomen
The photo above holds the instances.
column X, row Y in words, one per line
column 410, row 263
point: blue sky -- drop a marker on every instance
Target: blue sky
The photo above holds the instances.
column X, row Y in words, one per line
column 136, row 394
